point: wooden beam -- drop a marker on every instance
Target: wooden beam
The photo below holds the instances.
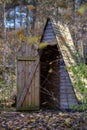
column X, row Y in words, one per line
column 26, row 58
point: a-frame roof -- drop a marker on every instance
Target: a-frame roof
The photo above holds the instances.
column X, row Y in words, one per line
column 62, row 37
column 48, row 35
column 65, row 45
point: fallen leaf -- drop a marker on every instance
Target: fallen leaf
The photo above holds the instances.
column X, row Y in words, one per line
column 68, row 121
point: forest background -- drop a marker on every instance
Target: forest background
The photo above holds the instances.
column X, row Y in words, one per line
column 23, row 21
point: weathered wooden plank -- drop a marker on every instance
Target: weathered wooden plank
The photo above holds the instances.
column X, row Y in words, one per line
column 18, row 79
column 49, row 38
column 32, row 82
column 23, row 94
column 67, row 48
column 33, row 91
column 71, row 96
column 29, row 96
column 37, row 87
column 29, row 70
column 26, row 58
column 21, row 51
column 63, row 100
column 27, row 99
column 25, row 102
column 23, row 77
column 63, row 96
column 49, row 41
column 49, row 26
column 23, row 63
column 48, row 31
column 21, row 70
column 64, row 104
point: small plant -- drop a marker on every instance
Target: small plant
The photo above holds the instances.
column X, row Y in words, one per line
column 80, row 84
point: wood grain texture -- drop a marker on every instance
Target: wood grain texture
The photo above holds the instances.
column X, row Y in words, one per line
column 68, row 50
column 59, row 33
column 49, row 34
column 27, row 64
column 23, row 93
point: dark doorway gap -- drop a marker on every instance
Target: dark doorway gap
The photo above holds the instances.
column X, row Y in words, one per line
column 49, row 77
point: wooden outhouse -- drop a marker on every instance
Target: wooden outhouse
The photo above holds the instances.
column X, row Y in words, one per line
column 57, row 90
column 44, row 81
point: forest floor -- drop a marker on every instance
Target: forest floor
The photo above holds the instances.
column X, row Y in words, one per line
column 42, row 120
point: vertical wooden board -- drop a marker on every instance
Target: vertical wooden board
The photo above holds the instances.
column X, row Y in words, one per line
column 21, row 76
column 24, row 82
column 37, row 87
column 25, row 103
column 23, row 71
column 27, row 75
column 18, row 78
column 30, row 66
column 21, row 52
column 30, row 90
column 32, row 84
column 26, row 78
column 29, row 98
column 33, row 91
column 18, row 72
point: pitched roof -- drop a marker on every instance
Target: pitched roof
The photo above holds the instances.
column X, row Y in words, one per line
column 68, row 51
column 66, row 47
column 63, row 40
column 65, row 43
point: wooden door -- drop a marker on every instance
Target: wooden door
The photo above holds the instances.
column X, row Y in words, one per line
column 27, row 79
